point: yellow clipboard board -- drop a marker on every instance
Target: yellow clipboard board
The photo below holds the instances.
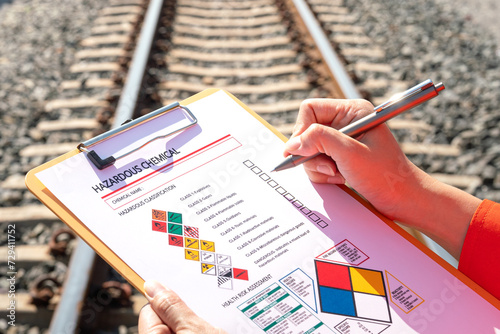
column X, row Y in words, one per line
column 56, row 206
column 61, row 211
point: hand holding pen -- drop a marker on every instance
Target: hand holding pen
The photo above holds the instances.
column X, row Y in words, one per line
column 376, row 168
column 393, row 107
column 373, row 164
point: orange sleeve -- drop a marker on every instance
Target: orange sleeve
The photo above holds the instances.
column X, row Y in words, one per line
column 480, row 257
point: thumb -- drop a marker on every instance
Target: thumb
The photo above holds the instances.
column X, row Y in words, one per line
column 168, row 306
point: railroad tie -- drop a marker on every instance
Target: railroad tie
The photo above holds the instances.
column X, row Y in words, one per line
column 75, row 103
column 107, row 29
column 226, row 13
column 33, row 212
column 88, row 83
column 47, row 150
column 236, row 89
column 120, row 10
column 105, row 40
column 233, row 32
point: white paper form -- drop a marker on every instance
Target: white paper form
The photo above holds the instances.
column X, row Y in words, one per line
column 253, row 251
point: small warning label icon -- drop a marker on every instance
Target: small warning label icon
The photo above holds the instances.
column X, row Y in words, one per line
column 208, row 269
column 208, row 246
column 191, row 254
column 175, row 217
column 192, row 243
column 175, row 240
column 240, row 274
column 159, row 226
column 159, row 215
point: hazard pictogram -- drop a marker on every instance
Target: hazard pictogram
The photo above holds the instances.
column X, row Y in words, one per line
column 223, row 259
column 192, row 243
column 191, row 254
column 225, row 271
column 241, row 274
column 208, row 246
column 201, row 251
column 208, row 269
column 175, row 240
column 225, row 282
column 192, row 232
column 159, row 226
column 159, row 215
column 207, row 257
column 175, row 229
column 175, row 217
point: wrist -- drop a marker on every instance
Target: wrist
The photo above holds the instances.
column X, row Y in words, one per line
column 409, row 191
column 440, row 211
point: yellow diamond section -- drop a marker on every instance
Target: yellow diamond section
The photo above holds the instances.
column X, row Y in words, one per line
column 208, row 246
column 367, row 281
column 191, row 254
column 206, row 267
column 192, row 243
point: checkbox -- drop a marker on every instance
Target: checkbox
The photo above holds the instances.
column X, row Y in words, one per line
column 248, row 163
column 297, row 204
column 281, row 190
column 272, row 183
column 256, row 170
column 314, row 217
column 322, row 224
column 305, row 210
column 289, row 196
column 264, row 176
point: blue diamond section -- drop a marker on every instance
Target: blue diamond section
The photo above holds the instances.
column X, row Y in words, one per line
column 337, row 301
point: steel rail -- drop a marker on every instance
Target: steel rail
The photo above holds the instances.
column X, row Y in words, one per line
column 66, row 315
column 130, row 93
column 328, row 53
column 350, row 92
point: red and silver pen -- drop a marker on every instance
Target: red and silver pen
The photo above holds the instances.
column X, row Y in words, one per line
column 394, row 106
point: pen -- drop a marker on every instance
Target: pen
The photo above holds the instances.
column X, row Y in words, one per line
column 382, row 113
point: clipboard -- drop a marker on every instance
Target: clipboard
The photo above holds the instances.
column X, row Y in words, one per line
column 55, row 205
column 61, row 211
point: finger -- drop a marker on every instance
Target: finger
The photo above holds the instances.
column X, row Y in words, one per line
column 322, row 139
column 323, row 169
column 323, row 178
column 322, row 164
column 150, row 322
column 332, row 112
column 305, row 118
column 172, row 310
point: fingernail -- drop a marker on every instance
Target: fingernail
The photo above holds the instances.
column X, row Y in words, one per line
column 152, row 288
column 325, row 169
column 293, row 144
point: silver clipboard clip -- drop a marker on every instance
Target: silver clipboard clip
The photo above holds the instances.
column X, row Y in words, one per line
column 102, row 163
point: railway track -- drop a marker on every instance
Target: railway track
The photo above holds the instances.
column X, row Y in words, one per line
column 259, row 50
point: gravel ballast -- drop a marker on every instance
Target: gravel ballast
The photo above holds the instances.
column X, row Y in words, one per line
column 38, row 42
column 430, row 39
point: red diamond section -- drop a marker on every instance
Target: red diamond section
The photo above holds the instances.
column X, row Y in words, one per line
column 333, row 275
column 159, row 226
column 240, row 274
column 175, row 240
